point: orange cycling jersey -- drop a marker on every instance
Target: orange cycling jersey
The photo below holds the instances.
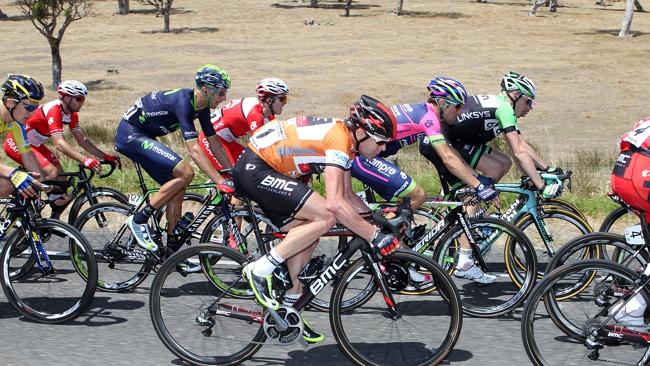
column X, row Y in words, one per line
column 304, row 145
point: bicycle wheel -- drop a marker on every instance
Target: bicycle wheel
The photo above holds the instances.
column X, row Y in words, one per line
column 100, row 194
column 555, row 227
column 122, row 264
column 55, row 289
column 607, row 246
column 182, row 305
column 499, row 242
column 566, row 205
column 422, row 332
column 556, row 332
column 618, row 220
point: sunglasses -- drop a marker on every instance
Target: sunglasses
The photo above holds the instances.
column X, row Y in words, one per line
column 80, row 99
column 378, row 141
column 530, row 102
column 283, row 99
column 29, row 107
column 219, row 92
column 450, row 104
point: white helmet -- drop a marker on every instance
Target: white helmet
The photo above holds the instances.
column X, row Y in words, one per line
column 72, row 88
column 271, row 87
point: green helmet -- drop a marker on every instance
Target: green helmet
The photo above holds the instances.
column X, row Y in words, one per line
column 513, row 81
column 212, row 76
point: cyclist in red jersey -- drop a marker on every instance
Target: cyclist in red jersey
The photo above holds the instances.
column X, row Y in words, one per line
column 242, row 116
column 48, row 121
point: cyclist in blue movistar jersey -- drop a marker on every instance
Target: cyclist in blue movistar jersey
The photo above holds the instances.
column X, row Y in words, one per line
column 20, row 98
column 487, row 116
column 161, row 113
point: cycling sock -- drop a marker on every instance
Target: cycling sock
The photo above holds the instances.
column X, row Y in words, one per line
column 142, row 216
column 465, row 259
column 265, row 265
column 290, row 298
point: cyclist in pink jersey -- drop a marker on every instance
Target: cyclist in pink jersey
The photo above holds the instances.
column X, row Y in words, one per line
column 242, row 116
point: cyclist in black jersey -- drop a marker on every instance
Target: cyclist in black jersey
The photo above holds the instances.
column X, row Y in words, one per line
column 20, row 98
column 161, row 113
column 485, row 117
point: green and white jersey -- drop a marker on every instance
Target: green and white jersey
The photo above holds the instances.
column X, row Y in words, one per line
column 482, row 119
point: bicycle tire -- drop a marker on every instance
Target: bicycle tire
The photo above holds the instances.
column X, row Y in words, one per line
column 97, row 192
column 356, row 342
column 557, row 316
column 73, row 275
column 122, row 264
column 169, row 286
column 619, row 219
column 497, row 301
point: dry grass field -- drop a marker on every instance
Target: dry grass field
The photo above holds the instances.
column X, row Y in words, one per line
column 592, row 85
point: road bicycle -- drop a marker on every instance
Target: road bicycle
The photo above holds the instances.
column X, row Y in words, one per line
column 204, row 324
column 123, row 264
column 49, row 273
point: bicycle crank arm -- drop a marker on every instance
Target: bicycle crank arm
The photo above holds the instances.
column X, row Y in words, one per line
column 280, row 323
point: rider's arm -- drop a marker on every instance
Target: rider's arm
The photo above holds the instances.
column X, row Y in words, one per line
column 86, row 144
column 455, row 164
column 351, row 197
column 62, row 145
column 336, row 180
column 216, row 147
column 202, row 161
column 521, row 153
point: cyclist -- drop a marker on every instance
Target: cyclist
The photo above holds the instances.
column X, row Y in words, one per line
column 20, row 98
column 446, row 100
column 629, row 181
column 161, row 113
column 242, row 116
column 269, row 171
column 487, row 116
column 48, row 121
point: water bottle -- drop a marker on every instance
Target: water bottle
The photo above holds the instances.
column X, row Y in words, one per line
column 183, row 223
column 311, row 269
column 281, row 278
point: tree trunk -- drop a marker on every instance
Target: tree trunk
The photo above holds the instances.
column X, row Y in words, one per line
column 166, row 20
column 314, row 3
column 398, row 7
column 2, row 15
column 55, row 51
column 348, row 4
column 123, row 7
column 638, row 5
column 627, row 19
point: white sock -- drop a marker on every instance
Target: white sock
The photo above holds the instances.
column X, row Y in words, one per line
column 465, row 259
column 265, row 265
column 290, row 298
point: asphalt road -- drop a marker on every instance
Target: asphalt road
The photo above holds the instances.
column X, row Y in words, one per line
column 117, row 330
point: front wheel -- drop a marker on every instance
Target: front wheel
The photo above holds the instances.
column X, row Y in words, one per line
column 99, row 194
column 61, row 284
column 199, row 322
column 417, row 330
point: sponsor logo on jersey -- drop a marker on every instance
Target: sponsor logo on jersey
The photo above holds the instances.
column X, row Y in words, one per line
column 338, row 158
column 383, row 167
column 148, row 145
column 250, row 166
column 294, row 151
column 156, row 113
column 278, row 185
column 474, row 115
column 645, row 173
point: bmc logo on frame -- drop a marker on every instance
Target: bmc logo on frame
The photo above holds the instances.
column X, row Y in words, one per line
column 278, row 183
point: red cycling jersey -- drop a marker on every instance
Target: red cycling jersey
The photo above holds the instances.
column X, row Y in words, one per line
column 48, row 120
column 236, row 119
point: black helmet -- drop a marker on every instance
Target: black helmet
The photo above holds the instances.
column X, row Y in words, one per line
column 373, row 117
column 22, row 87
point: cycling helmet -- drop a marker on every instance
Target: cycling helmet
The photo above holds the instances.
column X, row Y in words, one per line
column 22, row 87
column 72, row 88
column 373, row 117
column 271, row 87
column 513, row 81
column 451, row 90
column 212, row 76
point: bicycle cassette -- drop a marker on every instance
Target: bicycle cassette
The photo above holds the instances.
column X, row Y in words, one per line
column 293, row 331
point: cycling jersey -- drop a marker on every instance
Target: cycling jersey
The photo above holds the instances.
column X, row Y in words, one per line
column 42, row 153
column 638, row 138
column 16, row 129
column 482, row 119
column 304, row 145
column 163, row 112
column 236, row 119
column 48, row 120
column 414, row 121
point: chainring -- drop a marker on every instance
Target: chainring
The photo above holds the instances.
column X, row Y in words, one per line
column 293, row 332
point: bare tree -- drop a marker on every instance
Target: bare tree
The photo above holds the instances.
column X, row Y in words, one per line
column 123, row 7
column 46, row 15
column 627, row 19
column 398, row 7
column 2, row 15
column 164, row 8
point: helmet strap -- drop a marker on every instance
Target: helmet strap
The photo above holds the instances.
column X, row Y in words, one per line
column 65, row 105
column 269, row 102
column 514, row 100
column 11, row 110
